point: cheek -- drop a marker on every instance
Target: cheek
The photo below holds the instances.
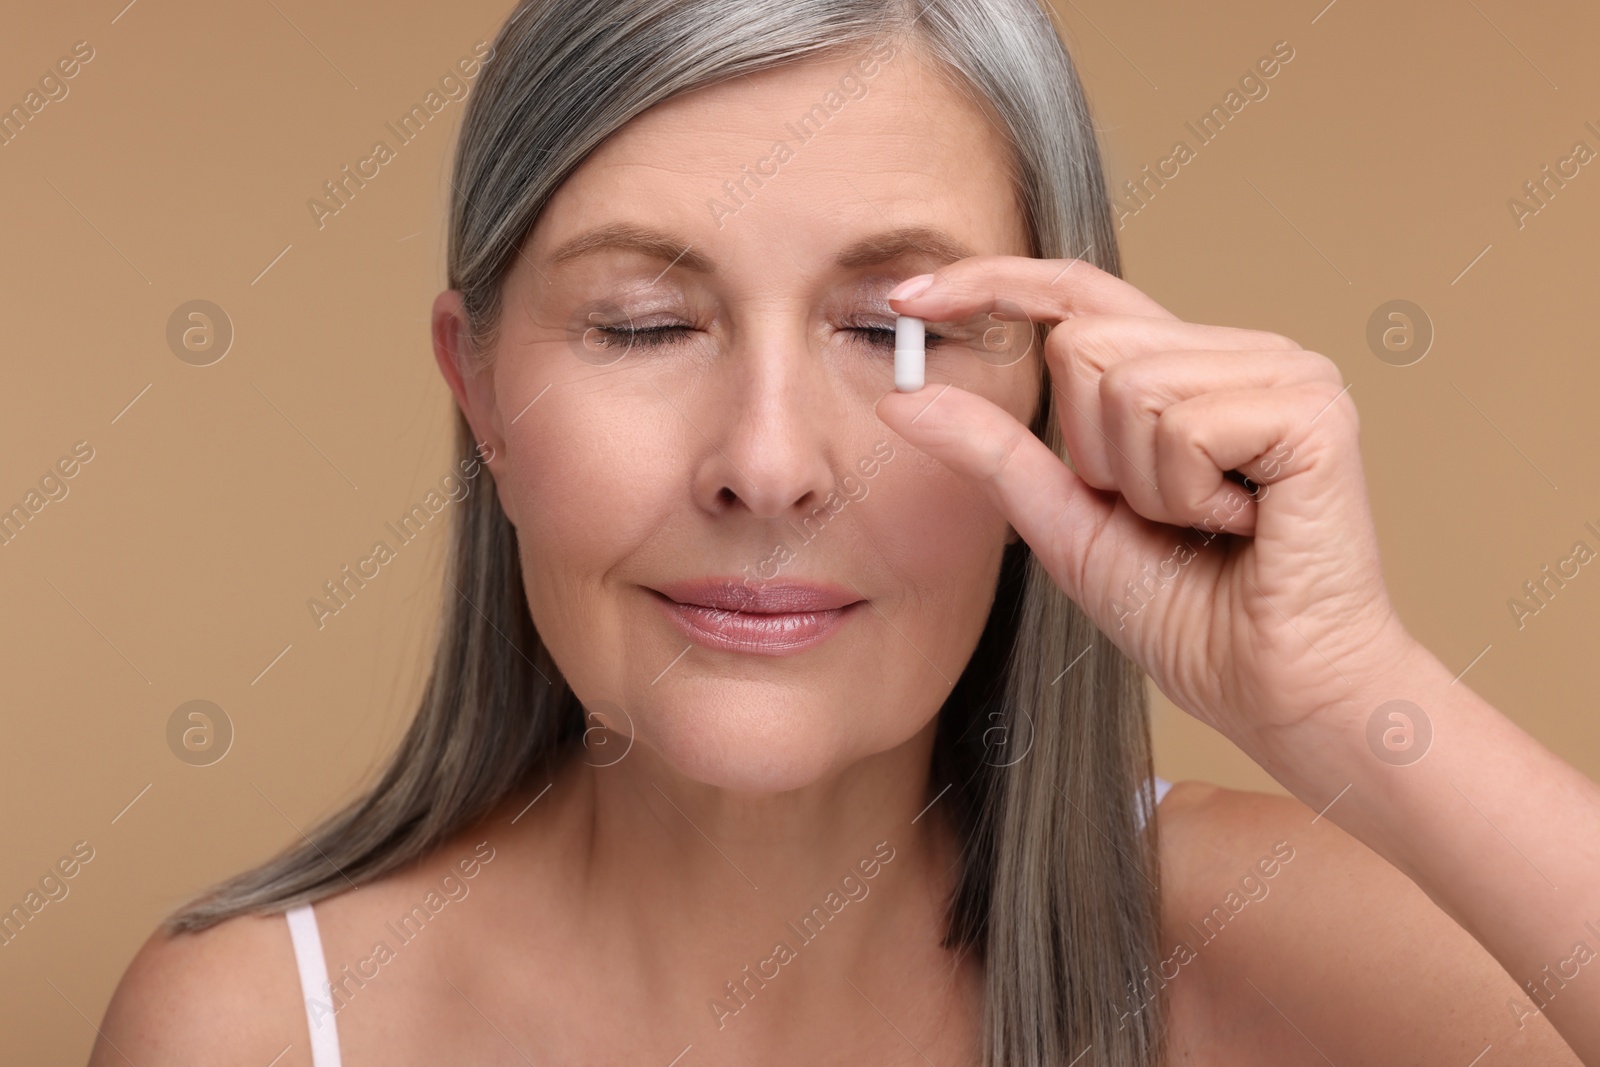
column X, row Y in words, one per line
column 939, row 532
column 587, row 480
column 585, row 483
column 940, row 543
column 584, row 453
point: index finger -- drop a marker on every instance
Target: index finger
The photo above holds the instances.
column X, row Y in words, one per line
column 1045, row 290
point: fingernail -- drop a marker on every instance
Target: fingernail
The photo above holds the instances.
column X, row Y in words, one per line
column 911, row 287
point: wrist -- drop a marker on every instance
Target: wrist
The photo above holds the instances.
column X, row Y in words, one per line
column 1381, row 721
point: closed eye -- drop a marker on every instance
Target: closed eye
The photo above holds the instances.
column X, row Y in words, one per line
column 640, row 336
column 658, row 336
column 883, row 336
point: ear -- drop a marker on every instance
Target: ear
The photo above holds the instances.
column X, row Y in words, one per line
column 472, row 386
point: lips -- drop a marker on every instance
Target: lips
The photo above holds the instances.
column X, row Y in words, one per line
column 764, row 598
column 769, row 619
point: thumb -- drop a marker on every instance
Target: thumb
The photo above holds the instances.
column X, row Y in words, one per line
column 1049, row 506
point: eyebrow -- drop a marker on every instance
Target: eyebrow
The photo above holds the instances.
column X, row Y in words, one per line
column 877, row 248
column 903, row 241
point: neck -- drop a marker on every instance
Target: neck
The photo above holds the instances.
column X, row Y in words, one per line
column 749, row 917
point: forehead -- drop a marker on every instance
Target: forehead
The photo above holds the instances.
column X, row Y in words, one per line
column 801, row 160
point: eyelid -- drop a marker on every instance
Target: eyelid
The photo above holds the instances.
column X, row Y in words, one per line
column 630, row 335
column 929, row 335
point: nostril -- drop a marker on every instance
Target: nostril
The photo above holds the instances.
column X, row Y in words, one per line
column 726, row 495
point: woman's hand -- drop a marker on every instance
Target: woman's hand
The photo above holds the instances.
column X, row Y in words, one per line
column 1255, row 607
column 1268, row 618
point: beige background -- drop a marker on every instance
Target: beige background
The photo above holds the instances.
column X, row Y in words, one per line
column 178, row 167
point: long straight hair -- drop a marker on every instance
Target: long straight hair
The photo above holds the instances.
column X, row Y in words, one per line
column 1058, row 891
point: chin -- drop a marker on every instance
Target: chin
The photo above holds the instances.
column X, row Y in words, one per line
column 750, row 737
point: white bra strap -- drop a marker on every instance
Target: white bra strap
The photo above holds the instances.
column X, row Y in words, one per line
column 314, row 986
column 1149, row 797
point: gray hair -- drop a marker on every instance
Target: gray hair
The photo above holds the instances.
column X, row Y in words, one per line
column 1058, row 891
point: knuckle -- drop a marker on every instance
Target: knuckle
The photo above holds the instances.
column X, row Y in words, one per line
column 1280, row 342
column 1176, row 427
column 1329, row 370
column 1064, row 334
column 1330, row 401
column 1087, row 339
column 1122, row 385
column 1060, row 354
column 1175, row 436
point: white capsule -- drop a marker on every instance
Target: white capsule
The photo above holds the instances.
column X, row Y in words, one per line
column 910, row 353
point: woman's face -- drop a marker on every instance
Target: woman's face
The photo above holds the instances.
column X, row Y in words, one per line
column 735, row 437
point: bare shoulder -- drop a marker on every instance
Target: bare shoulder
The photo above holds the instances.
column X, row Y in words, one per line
column 227, row 994
column 230, row 994
column 1293, row 942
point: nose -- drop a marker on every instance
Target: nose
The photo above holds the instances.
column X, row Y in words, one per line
column 769, row 419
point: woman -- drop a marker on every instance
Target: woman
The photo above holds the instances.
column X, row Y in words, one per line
column 782, row 717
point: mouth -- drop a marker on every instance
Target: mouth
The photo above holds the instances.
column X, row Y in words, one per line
column 773, row 619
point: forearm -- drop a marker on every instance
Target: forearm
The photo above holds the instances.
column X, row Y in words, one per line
column 1498, row 831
